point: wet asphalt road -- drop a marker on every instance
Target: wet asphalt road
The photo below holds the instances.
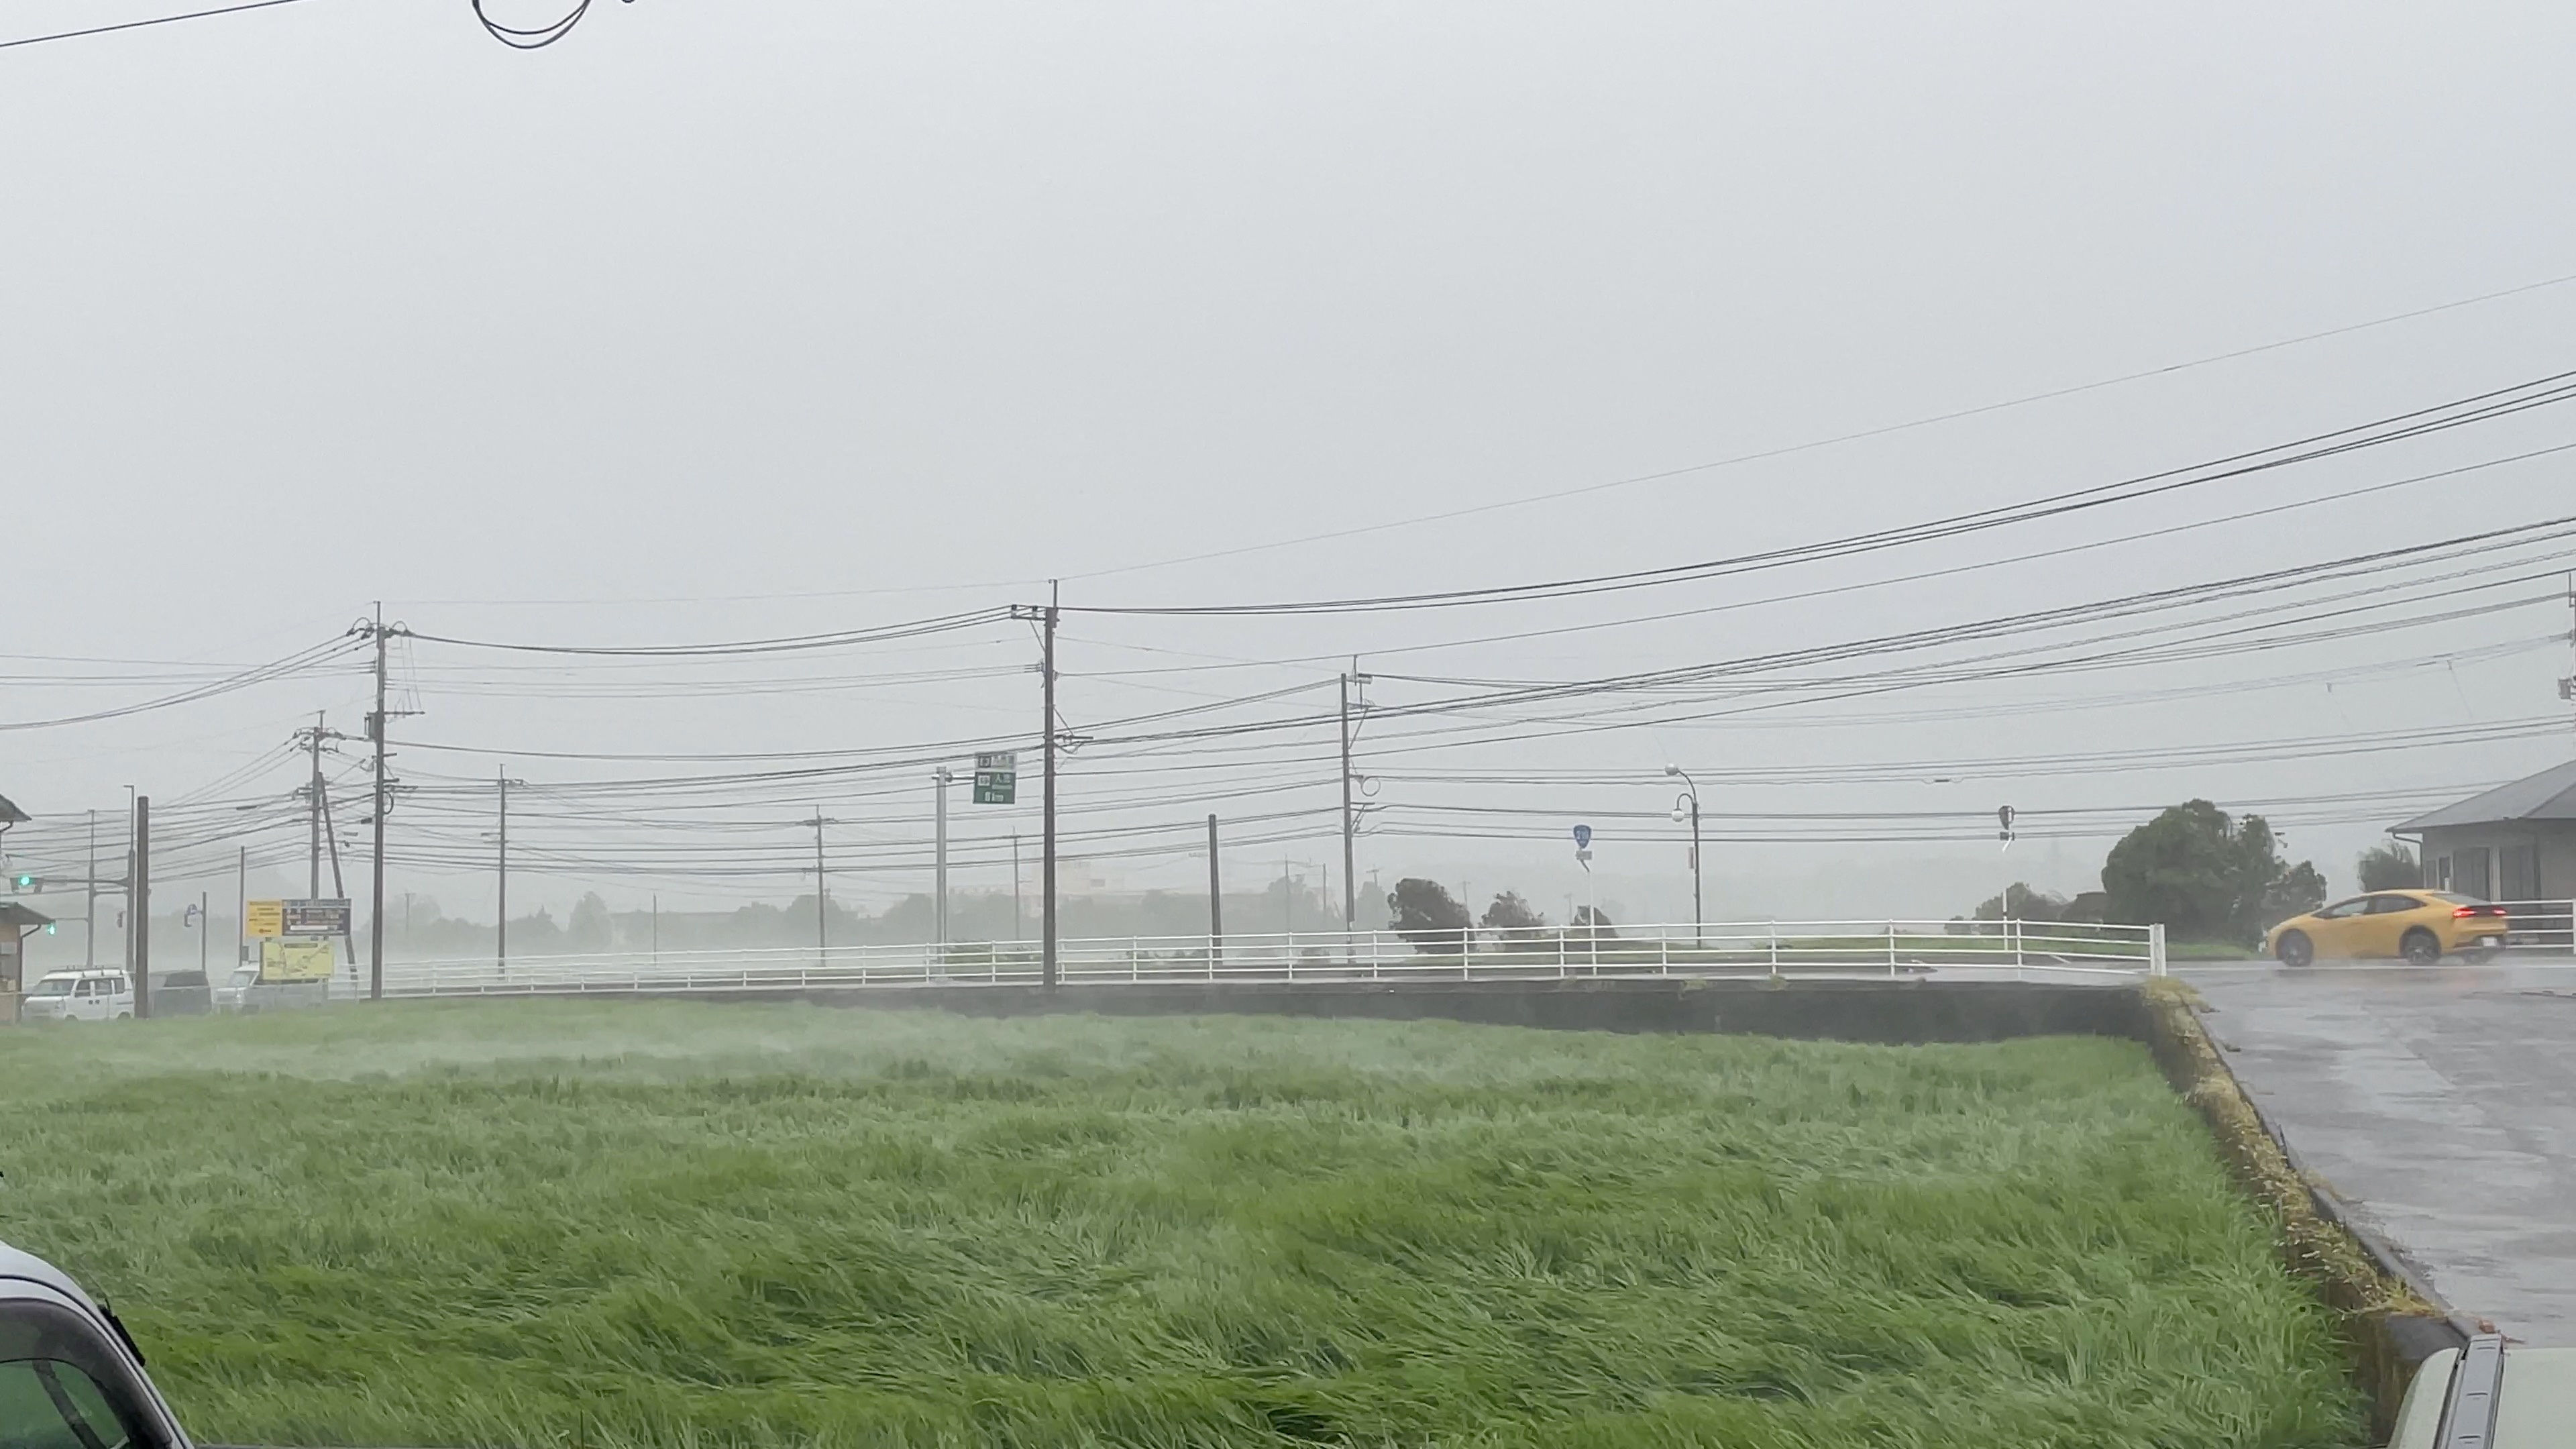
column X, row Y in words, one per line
column 2440, row 1103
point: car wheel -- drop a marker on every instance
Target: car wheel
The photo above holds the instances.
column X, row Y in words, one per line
column 2294, row 948
column 2422, row 948
column 125, row 1016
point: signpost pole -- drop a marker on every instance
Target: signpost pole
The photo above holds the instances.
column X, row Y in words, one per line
column 939, row 779
column 501, row 937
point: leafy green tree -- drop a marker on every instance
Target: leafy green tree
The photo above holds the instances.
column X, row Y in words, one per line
column 2388, row 867
column 2021, row 901
column 1427, row 915
column 1514, row 922
column 2205, row 876
column 589, row 928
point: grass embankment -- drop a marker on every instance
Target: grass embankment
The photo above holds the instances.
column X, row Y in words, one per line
column 594, row 1224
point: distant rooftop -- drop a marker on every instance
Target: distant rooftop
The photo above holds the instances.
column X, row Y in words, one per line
column 11, row 814
column 2549, row 795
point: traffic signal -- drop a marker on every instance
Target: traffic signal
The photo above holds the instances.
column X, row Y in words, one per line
column 23, row 882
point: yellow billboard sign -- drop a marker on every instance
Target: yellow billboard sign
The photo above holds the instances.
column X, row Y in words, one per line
column 264, row 920
column 282, row 961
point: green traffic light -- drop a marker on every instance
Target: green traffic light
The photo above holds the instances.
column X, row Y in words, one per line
column 26, row 882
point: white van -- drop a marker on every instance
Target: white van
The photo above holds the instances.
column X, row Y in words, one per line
column 79, row 996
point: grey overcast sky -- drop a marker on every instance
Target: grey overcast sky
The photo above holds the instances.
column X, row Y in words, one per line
column 720, row 321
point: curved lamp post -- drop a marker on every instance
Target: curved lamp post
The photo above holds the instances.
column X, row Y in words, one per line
column 1686, row 807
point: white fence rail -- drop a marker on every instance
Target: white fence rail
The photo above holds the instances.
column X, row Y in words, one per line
column 2540, row 927
column 1715, row 949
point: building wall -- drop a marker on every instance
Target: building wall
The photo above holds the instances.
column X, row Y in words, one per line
column 2483, row 860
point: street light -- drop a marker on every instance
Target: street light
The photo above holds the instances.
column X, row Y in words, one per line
column 1686, row 806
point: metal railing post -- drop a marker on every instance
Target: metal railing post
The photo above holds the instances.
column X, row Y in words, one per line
column 1891, row 950
column 2156, row 949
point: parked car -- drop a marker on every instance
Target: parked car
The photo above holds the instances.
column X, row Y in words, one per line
column 2468, row 1397
column 2421, row 926
column 78, row 996
column 69, row 1373
column 182, row 993
column 244, row 991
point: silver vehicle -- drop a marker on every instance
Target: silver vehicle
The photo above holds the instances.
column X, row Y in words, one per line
column 2490, row 1397
column 244, row 991
column 69, row 1375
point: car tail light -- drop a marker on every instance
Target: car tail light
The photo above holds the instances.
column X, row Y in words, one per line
column 2462, row 913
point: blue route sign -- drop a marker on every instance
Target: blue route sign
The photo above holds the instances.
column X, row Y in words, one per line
column 1582, row 837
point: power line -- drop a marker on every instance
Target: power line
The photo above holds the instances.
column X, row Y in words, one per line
column 2419, row 422
column 794, row 643
column 302, row 661
column 139, row 24
column 1836, row 440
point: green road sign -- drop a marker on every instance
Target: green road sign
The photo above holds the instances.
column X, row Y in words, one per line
column 997, row 777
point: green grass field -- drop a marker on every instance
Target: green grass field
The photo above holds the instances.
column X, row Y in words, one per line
column 704, row 1225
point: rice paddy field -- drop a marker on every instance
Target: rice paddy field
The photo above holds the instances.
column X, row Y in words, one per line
column 589, row 1224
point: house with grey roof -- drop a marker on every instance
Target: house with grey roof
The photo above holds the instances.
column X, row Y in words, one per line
column 2515, row 842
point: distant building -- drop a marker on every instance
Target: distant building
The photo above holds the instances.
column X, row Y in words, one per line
column 16, row 924
column 2516, row 842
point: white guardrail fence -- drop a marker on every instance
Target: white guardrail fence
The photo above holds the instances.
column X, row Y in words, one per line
column 1714, row 949
column 2540, row 928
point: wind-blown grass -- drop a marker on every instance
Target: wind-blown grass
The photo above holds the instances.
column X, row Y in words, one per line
column 701, row 1225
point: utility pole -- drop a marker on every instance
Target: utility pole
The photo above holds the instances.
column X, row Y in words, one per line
column 939, row 779
column 89, row 911
column 138, row 907
column 822, row 910
column 1216, row 902
column 1017, row 932
column 1046, row 883
column 313, row 890
column 376, row 901
column 205, row 928
column 1350, row 816
column 2567, row 686
column 124, row 918
column 241, row 903
column 339, row 884
column 501, row 937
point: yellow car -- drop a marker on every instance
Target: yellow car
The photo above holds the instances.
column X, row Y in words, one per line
column 2421, row 926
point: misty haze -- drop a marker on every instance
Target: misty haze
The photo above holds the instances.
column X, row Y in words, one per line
column 1269, row 724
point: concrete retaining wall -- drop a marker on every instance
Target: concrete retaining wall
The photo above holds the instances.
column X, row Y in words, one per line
column 1905, row 1010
